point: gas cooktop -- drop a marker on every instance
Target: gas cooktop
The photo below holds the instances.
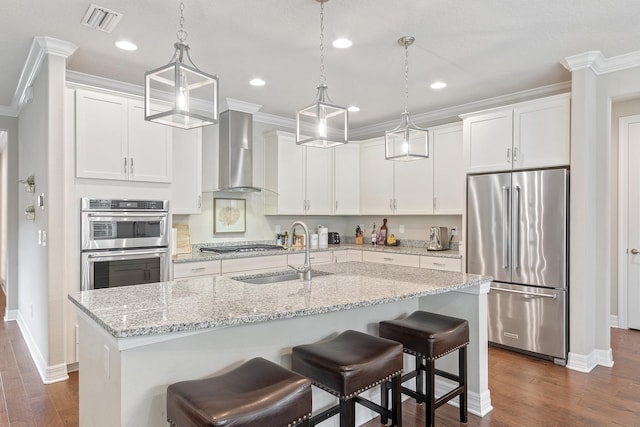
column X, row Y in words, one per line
column 240, row 248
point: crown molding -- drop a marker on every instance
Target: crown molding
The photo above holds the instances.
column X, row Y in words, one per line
column 87, row 80
column 599, row 64
column 40, row 47
column 243, row 106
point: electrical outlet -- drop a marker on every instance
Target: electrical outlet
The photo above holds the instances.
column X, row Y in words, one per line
column 401, row 229
column 454, row 231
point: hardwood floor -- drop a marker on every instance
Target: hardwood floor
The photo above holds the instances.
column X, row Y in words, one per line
column 525, row 391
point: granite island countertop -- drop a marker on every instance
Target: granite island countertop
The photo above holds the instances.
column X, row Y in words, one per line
column 218, row 301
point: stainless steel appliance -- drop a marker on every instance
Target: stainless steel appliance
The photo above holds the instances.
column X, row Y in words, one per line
column 334, row 238
column 438, row 239
column 517, row 232
column 124, row 242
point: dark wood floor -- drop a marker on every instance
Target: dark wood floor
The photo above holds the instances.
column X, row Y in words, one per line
column 525, row 391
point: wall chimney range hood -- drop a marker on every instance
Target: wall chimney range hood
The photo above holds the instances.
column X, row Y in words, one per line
column 235, row 173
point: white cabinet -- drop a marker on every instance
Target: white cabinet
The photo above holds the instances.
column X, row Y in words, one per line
column 113, row 141
column 346, row 183
column 254, row 264
column 393, row 187
column 391, row 258
column 448, row 172
column 316, row 258
column 437, row 263
column 194, row 269
column 186, row 188
column 530, row 134
column 300, row 179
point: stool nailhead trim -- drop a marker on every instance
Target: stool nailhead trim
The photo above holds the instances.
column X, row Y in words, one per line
column 415, row 353
column 357, row 392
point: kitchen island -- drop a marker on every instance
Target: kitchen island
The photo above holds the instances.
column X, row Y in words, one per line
column 136, row 340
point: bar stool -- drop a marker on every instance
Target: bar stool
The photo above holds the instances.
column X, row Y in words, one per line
column 258, row 393
column 429, row 336
column 346, row 366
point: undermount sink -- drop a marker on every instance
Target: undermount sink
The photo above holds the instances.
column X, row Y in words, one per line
column 276, row 276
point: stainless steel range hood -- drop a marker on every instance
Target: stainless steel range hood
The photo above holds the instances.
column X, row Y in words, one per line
column 236, row 152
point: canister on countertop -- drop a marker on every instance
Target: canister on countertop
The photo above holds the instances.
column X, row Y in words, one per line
column 323, row 237
column 314, row 241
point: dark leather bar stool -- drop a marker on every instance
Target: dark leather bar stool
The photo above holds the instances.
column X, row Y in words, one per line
column 258, row 393
column 346, row 366
column 429, row 336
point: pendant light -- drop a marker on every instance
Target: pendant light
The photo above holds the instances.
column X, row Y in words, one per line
column 325, row 122
column 179, row 94
column 407, row 141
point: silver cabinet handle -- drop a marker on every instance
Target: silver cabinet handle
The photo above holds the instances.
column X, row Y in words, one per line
column 198, row 269
column 336, row 205
column 125, row 165
column 132, row 166
column 509, row 155
column 515, row 154
column 513, row 291
column 390, row 204
column 440, row 264
column 635, row 252
column 200, row 201
column 388, row 259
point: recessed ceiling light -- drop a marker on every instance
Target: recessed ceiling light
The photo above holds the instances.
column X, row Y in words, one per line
column 257, row 82
column 126, row 45
column 342, row 43
column 353, row 109
column 438, row 85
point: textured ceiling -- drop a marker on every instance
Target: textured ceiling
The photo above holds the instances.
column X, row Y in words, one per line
column 482, row 49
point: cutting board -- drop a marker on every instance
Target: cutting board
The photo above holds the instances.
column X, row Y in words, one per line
column 182, row 239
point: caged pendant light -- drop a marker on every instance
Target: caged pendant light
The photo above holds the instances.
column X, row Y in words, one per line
column 179, row 94
column 327, row 123
column 407, row 141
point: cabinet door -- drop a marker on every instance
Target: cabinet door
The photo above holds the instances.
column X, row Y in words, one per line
column 319, row 181
column 376, row 179
column 413, row 185
column 186, row 186
column 284, row 175
column 448, row 173
column 346, row 183
column 541, row 133
column 487, row 141
column 101, row 136
column 150, row 148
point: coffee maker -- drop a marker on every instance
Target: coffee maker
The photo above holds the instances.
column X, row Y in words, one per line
column 438, row 239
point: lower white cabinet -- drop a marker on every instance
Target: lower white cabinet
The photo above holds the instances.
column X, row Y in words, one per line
column 316, row 258
column 391, row 258
column 437, row 263
column 194, row 269
column 253, row 264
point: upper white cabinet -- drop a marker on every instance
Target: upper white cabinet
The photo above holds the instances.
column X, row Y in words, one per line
column 186, row 187
column 527, row 135
column 113, row 141
column 346, row 183
column 394, row 187
column 299, row 179
column 448, row 172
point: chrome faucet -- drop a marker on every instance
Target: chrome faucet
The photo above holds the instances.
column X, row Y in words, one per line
column 305, row 271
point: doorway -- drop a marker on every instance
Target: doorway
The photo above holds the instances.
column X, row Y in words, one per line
column 629, row 222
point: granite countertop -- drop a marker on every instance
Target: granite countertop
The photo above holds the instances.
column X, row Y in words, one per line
column 196, row 255
column 217, row 301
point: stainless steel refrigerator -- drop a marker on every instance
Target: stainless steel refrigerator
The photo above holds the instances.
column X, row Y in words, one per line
column 517, row 232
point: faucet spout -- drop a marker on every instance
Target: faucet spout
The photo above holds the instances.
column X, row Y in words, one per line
column 305, row 271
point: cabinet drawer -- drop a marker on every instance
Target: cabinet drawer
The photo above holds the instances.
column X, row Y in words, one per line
column 317, row 258
column 437, row 263
column 354, row 255
column 254, row 263
column 192, row 269
column 340, row 256
column 390, row 258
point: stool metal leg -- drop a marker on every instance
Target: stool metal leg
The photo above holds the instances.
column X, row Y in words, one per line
column 462, row 374
column 347, row 413
column 430, row 404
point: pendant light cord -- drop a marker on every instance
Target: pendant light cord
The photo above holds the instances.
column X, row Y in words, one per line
column 182, row 34
column 406, row 78
column 322, row 77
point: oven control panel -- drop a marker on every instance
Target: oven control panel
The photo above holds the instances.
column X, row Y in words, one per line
column 124, row 205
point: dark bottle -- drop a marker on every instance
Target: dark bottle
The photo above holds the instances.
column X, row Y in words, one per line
column 382, row 235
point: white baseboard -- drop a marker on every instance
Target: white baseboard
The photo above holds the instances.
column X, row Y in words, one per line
column 613, row 321
column 586, row 363
column 48, row 374
column 10, row 315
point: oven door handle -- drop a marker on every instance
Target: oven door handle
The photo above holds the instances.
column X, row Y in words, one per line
column 111, row 255
column 108, row 216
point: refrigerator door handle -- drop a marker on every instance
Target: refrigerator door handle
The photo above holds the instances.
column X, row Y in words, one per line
column 513, row 291
column 505, row 227
column 516, row 227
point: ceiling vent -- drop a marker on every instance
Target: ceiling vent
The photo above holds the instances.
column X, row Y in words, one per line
column 101, row 18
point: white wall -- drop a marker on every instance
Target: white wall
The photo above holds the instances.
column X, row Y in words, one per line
column 3, row 209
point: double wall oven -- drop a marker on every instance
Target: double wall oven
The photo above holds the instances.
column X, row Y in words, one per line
column 124, row 242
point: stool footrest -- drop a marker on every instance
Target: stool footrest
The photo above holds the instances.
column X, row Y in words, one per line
column 447, row 375
column 384, row 412
column 324, row 415
column 447, row 397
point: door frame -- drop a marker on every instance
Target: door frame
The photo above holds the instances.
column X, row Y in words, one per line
column 623, row 218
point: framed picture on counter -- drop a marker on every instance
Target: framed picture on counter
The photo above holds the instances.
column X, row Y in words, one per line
column 229, row 215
